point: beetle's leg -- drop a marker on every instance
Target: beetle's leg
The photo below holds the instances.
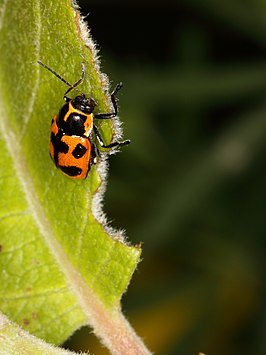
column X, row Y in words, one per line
column 105, row 116
column 94, row 154
column 114, row 144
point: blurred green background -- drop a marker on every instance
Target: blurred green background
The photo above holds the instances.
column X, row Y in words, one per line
column 191, row 185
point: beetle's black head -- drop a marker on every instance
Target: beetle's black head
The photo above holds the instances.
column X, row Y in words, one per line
column 83, row 104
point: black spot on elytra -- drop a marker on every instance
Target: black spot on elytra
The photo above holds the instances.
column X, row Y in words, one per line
column 79, row 151
column 71, row 170
column 59, row 146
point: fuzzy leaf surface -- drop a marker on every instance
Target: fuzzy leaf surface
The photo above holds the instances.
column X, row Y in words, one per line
column 52, row 248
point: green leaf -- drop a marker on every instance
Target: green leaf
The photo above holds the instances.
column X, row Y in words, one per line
column 61, row 265
column 14, row 340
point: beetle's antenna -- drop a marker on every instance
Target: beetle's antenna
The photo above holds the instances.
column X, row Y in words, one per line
column 71, row 86
column 78, row 81
column 57, row 75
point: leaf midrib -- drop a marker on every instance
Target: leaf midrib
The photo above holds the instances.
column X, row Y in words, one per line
column 12, row 140
column 86, row 298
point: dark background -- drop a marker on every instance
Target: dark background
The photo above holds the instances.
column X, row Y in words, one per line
column 192, row 185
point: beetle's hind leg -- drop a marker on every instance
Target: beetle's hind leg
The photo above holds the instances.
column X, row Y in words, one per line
column 111, row 145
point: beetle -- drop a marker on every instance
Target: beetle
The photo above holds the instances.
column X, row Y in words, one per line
column 72, row 138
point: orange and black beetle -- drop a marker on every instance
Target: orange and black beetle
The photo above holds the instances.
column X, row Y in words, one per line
column 72, row 146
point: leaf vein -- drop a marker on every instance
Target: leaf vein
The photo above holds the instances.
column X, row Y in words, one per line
column 83, row 229
column 55, row 319
column 14, row 214
column 30, row 106
column 35, row 295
